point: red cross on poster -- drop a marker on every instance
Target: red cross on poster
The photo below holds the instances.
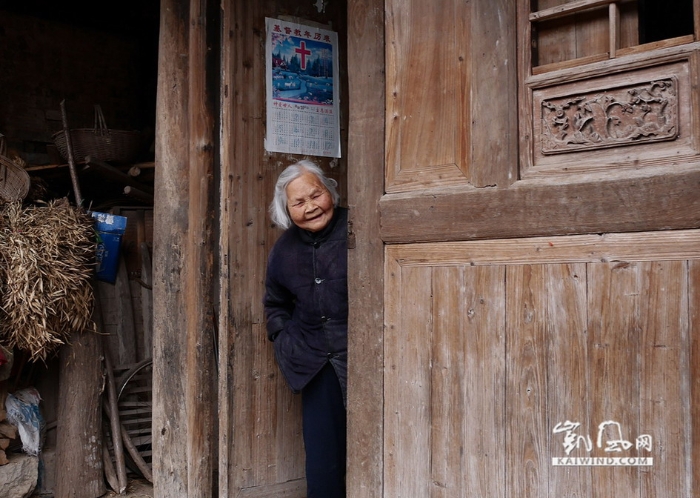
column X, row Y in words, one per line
column 302, row 89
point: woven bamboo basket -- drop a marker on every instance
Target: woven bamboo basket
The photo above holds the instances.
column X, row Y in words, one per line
column 100, row 143
column 14, row 180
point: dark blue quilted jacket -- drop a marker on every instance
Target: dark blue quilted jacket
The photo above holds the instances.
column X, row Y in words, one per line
column 306, row 301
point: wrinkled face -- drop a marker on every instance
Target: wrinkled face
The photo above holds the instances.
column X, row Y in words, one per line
column 309, row 203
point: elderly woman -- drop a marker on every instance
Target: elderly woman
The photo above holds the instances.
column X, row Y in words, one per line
column 306, row 306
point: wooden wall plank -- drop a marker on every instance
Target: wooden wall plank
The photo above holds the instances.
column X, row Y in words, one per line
column 490, row 130
column 407, row 394
column 202, row 114
column 183, row 359
column 692, row 426
column 449, row 427
column 568, row 364
column 615, row 346
column 291, row 489
column 526, row 382
column 665, row 401
column 484, row 369
column 366, row 261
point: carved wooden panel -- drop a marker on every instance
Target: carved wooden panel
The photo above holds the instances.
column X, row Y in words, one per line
column 614, row 121
column 613, row 117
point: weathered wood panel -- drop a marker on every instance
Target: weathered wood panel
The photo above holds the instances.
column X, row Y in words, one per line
column 468, row 365
column 526, row 382
column 493, row 133
column 407, row 382
column 665, row 377
column 427, row 118
column 596, row 343
column 566, row 338
column 449, row 70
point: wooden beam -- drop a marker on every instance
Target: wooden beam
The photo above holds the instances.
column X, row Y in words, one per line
column 113, row 173
column 529, row 209
column 568, row 9
column 140, row 195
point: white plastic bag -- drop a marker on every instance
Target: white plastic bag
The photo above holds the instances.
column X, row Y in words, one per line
column 23, row 412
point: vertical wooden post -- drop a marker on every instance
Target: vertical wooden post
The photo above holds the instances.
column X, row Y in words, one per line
column 79, row 434
column 169, row 249
column 184, row 213
column 365, row 262
column 200, row 271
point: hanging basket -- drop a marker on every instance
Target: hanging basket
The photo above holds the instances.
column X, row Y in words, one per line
column 100, row 142
column 14, row 179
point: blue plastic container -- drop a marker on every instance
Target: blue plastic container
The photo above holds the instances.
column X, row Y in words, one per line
column 109, row 228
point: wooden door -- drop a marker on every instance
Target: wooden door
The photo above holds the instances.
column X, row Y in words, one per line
column 531, row 305
column 530, row 367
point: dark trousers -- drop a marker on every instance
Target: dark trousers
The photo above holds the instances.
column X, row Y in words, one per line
column 324, row 424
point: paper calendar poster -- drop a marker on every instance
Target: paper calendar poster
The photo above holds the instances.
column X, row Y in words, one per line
column 302, row 89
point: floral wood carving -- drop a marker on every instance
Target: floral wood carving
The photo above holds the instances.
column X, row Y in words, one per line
column 616, row 117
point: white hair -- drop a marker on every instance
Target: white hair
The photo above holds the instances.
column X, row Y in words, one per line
column 278, row 207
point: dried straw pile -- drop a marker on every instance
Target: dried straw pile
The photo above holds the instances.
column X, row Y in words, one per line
column 47, row 255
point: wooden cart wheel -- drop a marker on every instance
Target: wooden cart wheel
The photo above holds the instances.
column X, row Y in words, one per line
column 134, row 399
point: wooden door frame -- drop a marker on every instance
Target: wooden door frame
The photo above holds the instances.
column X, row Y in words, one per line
column 366, row 256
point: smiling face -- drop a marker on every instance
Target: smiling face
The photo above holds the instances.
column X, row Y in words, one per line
column 309, row 203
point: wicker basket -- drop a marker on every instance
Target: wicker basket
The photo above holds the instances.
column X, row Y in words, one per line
column 100, row 142
column 14, row 180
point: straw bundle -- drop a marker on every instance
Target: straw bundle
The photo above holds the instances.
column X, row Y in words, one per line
column 47, row 254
